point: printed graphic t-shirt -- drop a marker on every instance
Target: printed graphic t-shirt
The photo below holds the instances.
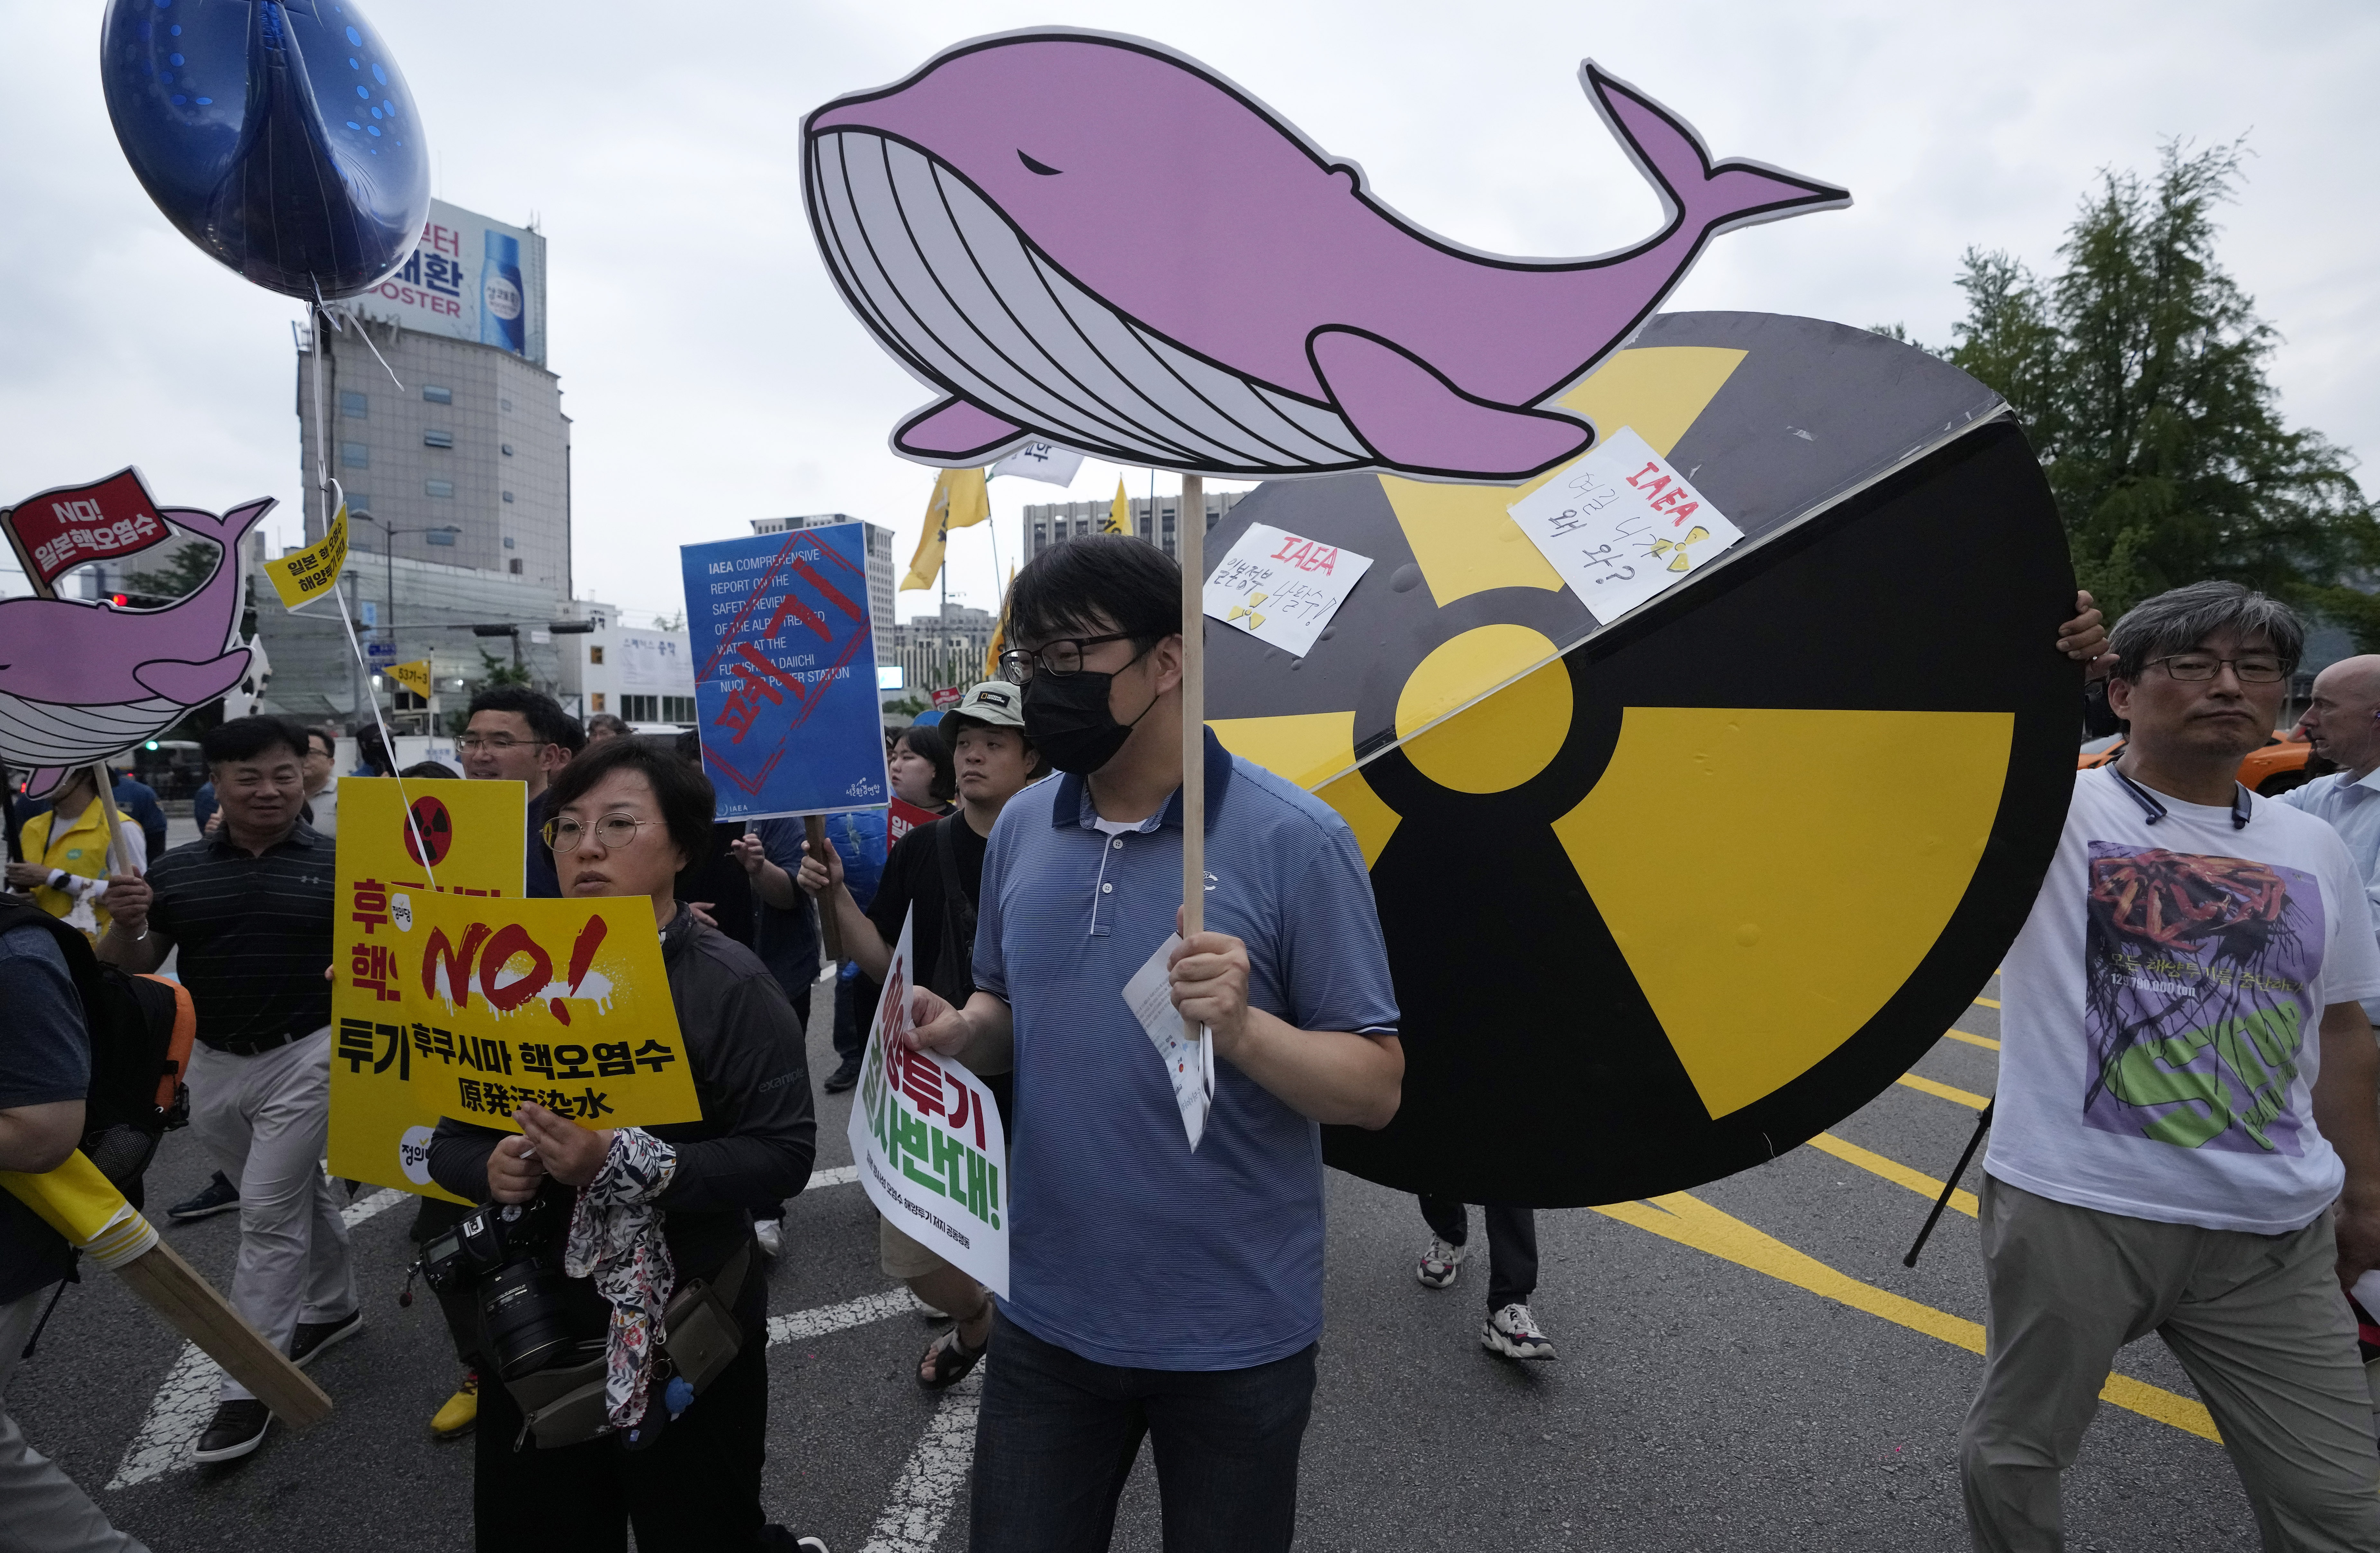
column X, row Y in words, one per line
column 2160, row 1016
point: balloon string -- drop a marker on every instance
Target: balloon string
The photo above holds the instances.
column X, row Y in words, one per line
column 387, row 744
column 324, row 308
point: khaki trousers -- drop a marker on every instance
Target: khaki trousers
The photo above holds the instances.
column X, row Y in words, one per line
column 41, row 1509
column 266, row 1120
column 2258, row 1321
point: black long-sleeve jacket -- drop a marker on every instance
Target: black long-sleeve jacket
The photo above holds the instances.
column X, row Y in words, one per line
column 757, row 1135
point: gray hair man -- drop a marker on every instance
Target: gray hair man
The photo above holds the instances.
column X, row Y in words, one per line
column 2187, row 1088
column 2342, row 723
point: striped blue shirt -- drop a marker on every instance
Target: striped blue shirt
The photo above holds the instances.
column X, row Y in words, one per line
column 1124, row 1246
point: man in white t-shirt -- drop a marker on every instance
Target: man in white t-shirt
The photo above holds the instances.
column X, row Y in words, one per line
column 2187, row 1088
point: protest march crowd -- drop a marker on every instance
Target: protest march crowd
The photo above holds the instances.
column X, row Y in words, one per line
column 1157, row 1292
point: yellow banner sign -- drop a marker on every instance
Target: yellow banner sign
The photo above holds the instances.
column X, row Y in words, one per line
column 414, row 676
column 473, row 833
column 304, row 575
column 475, row 1007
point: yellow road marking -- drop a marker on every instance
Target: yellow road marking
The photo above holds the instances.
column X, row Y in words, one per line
column 1943, row 1091
column 1989, row 1003
column 1692, row 1222
column 1985, row 1041
column 1892, row 1170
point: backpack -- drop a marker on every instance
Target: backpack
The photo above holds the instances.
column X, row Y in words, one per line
column 141, row 1029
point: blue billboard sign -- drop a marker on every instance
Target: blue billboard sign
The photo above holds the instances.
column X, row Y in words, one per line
column 784, row 672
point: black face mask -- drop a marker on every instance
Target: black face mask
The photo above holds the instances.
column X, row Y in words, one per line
column 1067, row 720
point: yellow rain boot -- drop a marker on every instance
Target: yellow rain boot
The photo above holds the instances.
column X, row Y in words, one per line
column 462, row 1409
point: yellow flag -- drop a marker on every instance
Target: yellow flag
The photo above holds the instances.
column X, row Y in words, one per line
column 999, row 633
column 1119, row 512
column 304, row 575
column 414, row 676
column 960, row 500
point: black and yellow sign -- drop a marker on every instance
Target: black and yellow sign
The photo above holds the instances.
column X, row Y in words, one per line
column 1668, row 896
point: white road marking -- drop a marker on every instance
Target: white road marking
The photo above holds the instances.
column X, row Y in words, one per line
column 928, row 1485
column 187, row 1399
column 835, row 1318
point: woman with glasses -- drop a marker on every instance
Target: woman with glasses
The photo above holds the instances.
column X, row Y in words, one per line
column 622, row 820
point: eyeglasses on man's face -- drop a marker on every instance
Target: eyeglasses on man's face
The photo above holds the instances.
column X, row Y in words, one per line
column 2254, row 668
column 612, row 832
column 1060, row 657
column 497, row 742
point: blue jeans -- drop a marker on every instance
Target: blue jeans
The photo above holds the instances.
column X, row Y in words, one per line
column 1057, row 1435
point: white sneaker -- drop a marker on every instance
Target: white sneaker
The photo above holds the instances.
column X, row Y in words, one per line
column 770, row 1235
column 1440, row 1264
column 1512, row 1332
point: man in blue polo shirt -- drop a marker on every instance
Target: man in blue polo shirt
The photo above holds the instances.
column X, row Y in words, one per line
column 1155, row 1288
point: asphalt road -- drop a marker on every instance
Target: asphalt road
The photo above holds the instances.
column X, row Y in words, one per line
column 1748, row 1366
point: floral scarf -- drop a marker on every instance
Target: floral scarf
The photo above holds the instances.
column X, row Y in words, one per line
column 615, row 1236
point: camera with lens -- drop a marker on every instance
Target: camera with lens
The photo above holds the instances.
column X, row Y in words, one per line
column 502, row 1264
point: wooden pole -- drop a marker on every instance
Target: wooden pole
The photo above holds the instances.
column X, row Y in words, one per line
column 829, row 926
column 192, row 1307
column 1193, row 533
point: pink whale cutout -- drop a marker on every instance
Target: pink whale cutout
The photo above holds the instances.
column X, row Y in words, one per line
column 97, row 661
column 1313, row 287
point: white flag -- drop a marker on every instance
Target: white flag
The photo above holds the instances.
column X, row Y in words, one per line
column 1043, row 461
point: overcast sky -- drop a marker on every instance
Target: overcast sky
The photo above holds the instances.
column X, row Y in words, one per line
column 714, row 376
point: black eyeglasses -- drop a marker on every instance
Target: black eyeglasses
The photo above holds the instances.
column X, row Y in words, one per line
column 1060, row 657
column 2257, row 668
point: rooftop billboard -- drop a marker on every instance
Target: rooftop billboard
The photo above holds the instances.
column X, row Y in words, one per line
column 471, row 278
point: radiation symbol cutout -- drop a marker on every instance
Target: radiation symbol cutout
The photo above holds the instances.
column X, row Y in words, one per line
column 1665, row 897
column 434, row 828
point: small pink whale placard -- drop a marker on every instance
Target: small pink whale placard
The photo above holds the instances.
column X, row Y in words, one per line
column 84, row 681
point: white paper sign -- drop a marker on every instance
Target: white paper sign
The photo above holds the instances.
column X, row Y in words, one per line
column 1282, row 587
column 1043, row 461
column 1189, row 1065
column 927, row 1138
column 1621, row 525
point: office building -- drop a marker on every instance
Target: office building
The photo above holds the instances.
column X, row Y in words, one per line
column 937, row 651
column 443, row 426
column 1052, row 523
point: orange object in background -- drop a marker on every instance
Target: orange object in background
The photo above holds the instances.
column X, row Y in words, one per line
column 2281, row 765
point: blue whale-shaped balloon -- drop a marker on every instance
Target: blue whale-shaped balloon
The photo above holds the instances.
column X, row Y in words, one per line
column 280, row 138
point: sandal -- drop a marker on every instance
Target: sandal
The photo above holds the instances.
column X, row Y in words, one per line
column 949, row 1360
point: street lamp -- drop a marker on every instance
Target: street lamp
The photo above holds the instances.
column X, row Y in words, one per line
column 388, row 548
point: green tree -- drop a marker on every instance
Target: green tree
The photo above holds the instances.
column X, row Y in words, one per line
column 496, row 670
column 184, row 574
column 2138, row 371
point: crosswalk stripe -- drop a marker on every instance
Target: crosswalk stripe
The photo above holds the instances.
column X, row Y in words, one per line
column 178, row 1414
column 927, row 1489
column 1985, row 1041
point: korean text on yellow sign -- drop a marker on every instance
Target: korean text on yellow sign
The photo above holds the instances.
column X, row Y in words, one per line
column 306, row 575
column 414, row 676
column 484, row 1005
column 471, row 835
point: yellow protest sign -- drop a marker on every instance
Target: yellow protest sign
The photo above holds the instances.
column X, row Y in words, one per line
column 474, row 832
column 481, row 1005
column 414, row 676
column 304, row 575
